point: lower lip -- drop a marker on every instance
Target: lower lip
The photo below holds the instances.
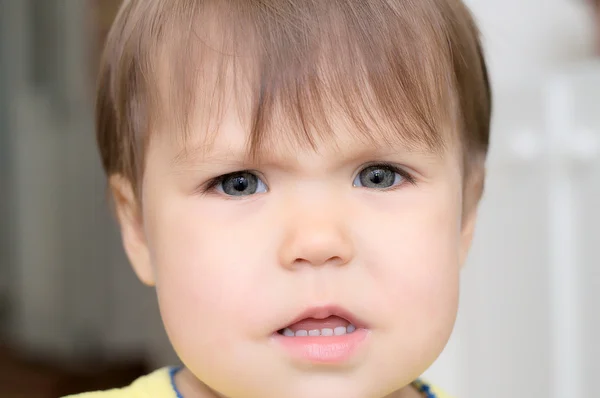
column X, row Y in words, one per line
column 324, row 349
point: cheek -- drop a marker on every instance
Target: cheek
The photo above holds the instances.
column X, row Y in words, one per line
column 202, row 279
column 413, row 258
column 413, row 263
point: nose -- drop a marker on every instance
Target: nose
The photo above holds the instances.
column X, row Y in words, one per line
column 315, row 237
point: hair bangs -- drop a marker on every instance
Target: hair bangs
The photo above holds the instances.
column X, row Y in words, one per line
column 294, row 71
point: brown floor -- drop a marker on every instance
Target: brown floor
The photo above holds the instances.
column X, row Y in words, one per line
column 20, row 378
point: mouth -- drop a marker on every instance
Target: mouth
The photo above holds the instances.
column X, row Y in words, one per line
column 323, row 335
column 330, row 326
column 322, row 321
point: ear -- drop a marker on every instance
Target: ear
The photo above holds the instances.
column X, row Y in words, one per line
column 467, row 233
column 472, row 196
column 132, row 228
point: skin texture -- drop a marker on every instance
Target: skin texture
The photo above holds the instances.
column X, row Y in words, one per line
column 229, row 272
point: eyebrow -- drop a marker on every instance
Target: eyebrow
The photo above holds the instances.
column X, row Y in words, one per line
column 187, row 156
column 240, row 156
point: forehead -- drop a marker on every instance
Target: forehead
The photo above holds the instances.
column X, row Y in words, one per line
column 229, row 142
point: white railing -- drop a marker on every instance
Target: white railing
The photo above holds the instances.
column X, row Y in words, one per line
column 572, row 145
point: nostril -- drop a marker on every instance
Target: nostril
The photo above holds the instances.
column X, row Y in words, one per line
column 315, row 247
column 335, row 260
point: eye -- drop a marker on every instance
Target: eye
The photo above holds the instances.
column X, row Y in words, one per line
column 381, row 177
column 243, row 183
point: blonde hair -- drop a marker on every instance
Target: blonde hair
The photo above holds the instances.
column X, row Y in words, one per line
column 415, row 65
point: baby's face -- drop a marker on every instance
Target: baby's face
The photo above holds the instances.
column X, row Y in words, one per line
column 356, row 245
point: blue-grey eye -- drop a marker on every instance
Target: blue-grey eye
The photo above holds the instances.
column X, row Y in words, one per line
column 378, row 177
column 243, row 183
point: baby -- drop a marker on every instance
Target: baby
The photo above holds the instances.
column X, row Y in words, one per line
column 299, row 180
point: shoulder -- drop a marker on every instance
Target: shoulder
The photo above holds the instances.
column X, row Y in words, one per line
column 155, row 384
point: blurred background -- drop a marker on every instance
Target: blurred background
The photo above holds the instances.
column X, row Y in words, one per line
column 73, row 317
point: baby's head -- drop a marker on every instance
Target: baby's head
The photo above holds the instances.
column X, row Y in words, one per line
column 283, row 168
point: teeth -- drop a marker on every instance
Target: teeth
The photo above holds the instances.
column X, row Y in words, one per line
column 326, row 332
column 339, row 331
column 288, row 332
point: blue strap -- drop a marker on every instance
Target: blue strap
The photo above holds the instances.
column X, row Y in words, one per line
column 424, row 388
column 172, row 372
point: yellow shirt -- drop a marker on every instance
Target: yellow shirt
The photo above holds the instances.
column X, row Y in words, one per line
column 158, row 385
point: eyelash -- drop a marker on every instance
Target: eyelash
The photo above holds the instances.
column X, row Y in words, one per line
column 408, row 178
column 212, row 184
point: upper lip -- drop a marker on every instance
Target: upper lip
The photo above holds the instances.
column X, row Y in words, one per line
column 323, row 312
